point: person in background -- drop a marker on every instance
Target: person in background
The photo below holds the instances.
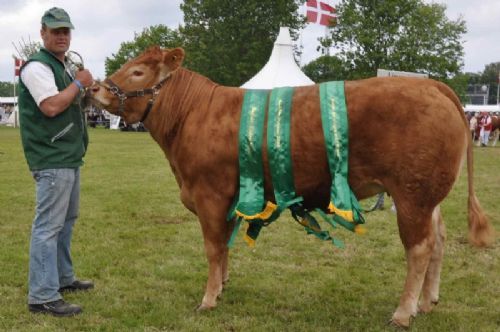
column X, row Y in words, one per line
column 473, row 126
column 486, row 126
column 54, row 138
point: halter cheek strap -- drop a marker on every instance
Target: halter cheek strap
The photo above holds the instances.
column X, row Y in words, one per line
column 122, row 95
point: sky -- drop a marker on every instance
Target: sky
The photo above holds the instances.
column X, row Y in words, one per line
column 101, row 26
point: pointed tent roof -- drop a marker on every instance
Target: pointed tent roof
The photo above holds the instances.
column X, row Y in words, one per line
column 281, row 68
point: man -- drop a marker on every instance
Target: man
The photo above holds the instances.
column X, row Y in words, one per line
column 54, row 140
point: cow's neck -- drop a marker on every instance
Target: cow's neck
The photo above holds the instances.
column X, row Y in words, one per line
column 185, row 92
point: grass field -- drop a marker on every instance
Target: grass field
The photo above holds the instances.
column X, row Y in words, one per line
column 144, row 251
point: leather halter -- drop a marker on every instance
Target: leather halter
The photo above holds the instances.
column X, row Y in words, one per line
column 122, row 95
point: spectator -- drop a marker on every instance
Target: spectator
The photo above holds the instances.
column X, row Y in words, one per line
column 473, row 126
column 486, row 126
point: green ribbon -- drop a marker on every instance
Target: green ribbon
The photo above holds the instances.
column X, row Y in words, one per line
column 251, row 194
column 335, row 129
column 278, row 147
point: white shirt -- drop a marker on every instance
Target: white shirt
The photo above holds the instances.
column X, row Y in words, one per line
column 40, row 81
column 473, row 123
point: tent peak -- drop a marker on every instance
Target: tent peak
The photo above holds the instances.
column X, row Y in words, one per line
column 281, row 69
column 284, row 37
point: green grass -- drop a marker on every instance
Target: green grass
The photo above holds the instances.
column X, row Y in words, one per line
column 144, row 251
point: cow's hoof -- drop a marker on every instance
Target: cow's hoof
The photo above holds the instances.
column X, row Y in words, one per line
column 400, row 323
column 427, row 307
column 204, row 307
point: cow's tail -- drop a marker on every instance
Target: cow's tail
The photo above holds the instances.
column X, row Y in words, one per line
column 481, row 232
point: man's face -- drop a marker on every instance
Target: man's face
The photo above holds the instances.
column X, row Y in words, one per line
column 56, row 40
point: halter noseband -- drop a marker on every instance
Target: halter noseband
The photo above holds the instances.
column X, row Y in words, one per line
column 122, row 95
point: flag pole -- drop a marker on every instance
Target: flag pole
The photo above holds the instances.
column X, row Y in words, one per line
column 498, row 86
column 326, row 36
column 15, row 102
column 14, row 77
column 15, row 96
column 302, row 48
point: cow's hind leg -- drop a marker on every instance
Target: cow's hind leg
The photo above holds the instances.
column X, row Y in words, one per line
column 496, row 133
column 430, row 291
column 225, row 256
column 417, row 235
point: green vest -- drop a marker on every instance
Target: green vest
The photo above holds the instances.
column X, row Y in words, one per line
column 57, row 142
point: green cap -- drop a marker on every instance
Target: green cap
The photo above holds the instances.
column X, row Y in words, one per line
column 55, row 18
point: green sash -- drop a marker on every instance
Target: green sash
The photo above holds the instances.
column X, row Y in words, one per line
column 343, row 203
column 251, row 205
column 278, row 147
column 251, row 196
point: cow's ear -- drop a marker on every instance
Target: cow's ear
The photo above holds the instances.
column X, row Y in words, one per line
column 173, row 58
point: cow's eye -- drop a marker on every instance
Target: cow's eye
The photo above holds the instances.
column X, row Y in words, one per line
column 137, row 73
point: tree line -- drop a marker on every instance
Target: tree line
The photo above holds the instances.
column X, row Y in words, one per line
column 230, row 41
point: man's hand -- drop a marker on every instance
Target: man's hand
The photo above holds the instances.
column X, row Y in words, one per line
column 85, row 77
column 54, row 105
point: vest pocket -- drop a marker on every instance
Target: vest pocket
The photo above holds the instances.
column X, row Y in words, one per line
column 62, row 132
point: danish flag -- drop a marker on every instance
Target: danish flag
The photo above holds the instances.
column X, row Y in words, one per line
column 17, row 65
column 320, row 12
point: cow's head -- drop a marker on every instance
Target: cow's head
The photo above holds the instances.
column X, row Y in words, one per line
column 129, row 90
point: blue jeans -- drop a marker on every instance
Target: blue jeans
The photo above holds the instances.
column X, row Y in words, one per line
column 57, row 204
column 485, row 137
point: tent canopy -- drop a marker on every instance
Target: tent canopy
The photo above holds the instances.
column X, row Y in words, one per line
column 281, row 68
column 482, row 108
column 8, row 100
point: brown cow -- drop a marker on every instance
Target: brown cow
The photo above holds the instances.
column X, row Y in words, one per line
column 406, row 136
column 495, row 130
column 495, row 122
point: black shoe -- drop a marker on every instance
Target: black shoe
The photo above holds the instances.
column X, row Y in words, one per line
column 77, row 285
column 57, row 308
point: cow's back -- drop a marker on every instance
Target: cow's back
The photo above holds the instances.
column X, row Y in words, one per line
column 405, row 137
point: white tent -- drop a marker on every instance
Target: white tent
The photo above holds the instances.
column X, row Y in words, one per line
column 13, row 119
column 8, row 100
column 281, row 68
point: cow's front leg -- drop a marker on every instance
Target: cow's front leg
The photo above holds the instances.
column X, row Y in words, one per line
column 215, row 233
column 215, row 257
